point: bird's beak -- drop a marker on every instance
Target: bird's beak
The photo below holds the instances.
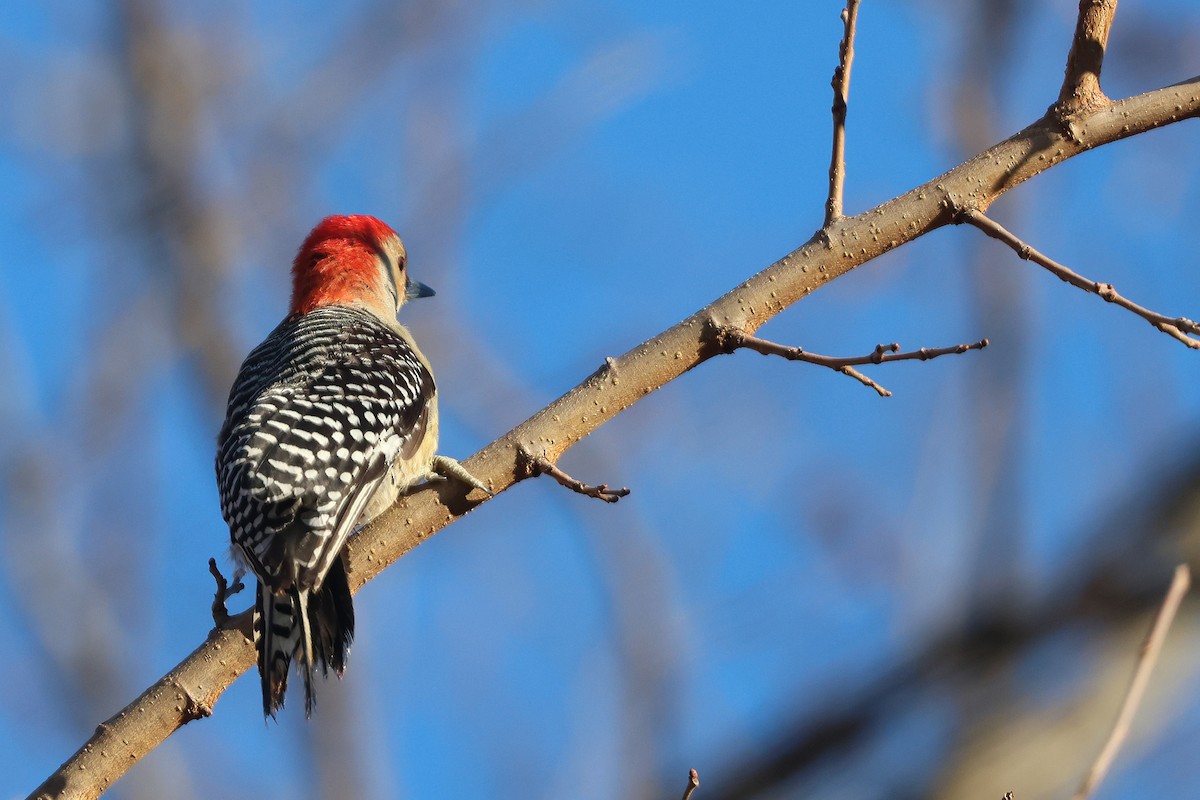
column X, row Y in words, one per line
column 417, row 289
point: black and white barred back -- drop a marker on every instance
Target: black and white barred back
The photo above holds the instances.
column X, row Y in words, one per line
column 317, row 415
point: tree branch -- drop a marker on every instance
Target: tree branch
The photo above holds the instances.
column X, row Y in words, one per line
column 841, row 97
column 543, row 466
column 1081, row 81
column 1137, row 686
column 731, row 338
column 692, row 785
column 847, row 244
column 184, row 694
column 1180, row 328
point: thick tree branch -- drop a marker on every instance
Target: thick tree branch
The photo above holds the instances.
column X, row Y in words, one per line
column 1081, row 81
column 184, row 694
column 841, row 97
column 730, row 338
column 1137, row 686
column 848, row 243
column 1180, row 328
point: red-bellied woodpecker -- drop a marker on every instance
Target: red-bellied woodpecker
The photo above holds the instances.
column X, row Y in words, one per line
column 329, row 420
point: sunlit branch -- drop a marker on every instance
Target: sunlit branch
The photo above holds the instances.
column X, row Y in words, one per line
column 1180, row 328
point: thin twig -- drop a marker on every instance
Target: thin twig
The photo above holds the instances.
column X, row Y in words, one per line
column 1081, row 81
column 1176, row 327
column 692, row 785
column 220, row 613
column 841, row 97
column 543, row 466
column 1137, row 687
column 732, row 338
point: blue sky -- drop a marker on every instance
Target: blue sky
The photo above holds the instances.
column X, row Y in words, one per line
column 573, row 178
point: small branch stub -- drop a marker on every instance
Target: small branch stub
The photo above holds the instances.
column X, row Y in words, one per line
column 1181, row 328
column 543, row 466
column 841, row 98
column 225, row 590
column 730, row 338
column 692, row 785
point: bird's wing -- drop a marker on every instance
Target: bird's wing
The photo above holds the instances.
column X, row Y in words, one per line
column 313, row 449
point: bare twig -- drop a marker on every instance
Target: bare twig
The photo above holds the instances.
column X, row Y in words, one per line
column 1081, row 82
column 1137, row 687
column 841, row 96
column 220, row 613
column 732, row 338
column 692, row 785
column 1180, row 328
column 148, row 720
column 543, row 466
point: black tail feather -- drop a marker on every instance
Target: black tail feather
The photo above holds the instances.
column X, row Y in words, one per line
column 331, row 617
column 280, row 635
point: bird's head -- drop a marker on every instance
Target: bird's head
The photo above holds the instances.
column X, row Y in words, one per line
column 353, row 259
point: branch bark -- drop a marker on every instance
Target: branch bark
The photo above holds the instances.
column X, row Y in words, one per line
column 1081, row 81
column 189, row 691
column 841, row 98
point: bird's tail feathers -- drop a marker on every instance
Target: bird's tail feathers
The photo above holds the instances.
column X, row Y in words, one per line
column 315, row 627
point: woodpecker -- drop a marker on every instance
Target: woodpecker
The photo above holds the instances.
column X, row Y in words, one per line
column 330, row 419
